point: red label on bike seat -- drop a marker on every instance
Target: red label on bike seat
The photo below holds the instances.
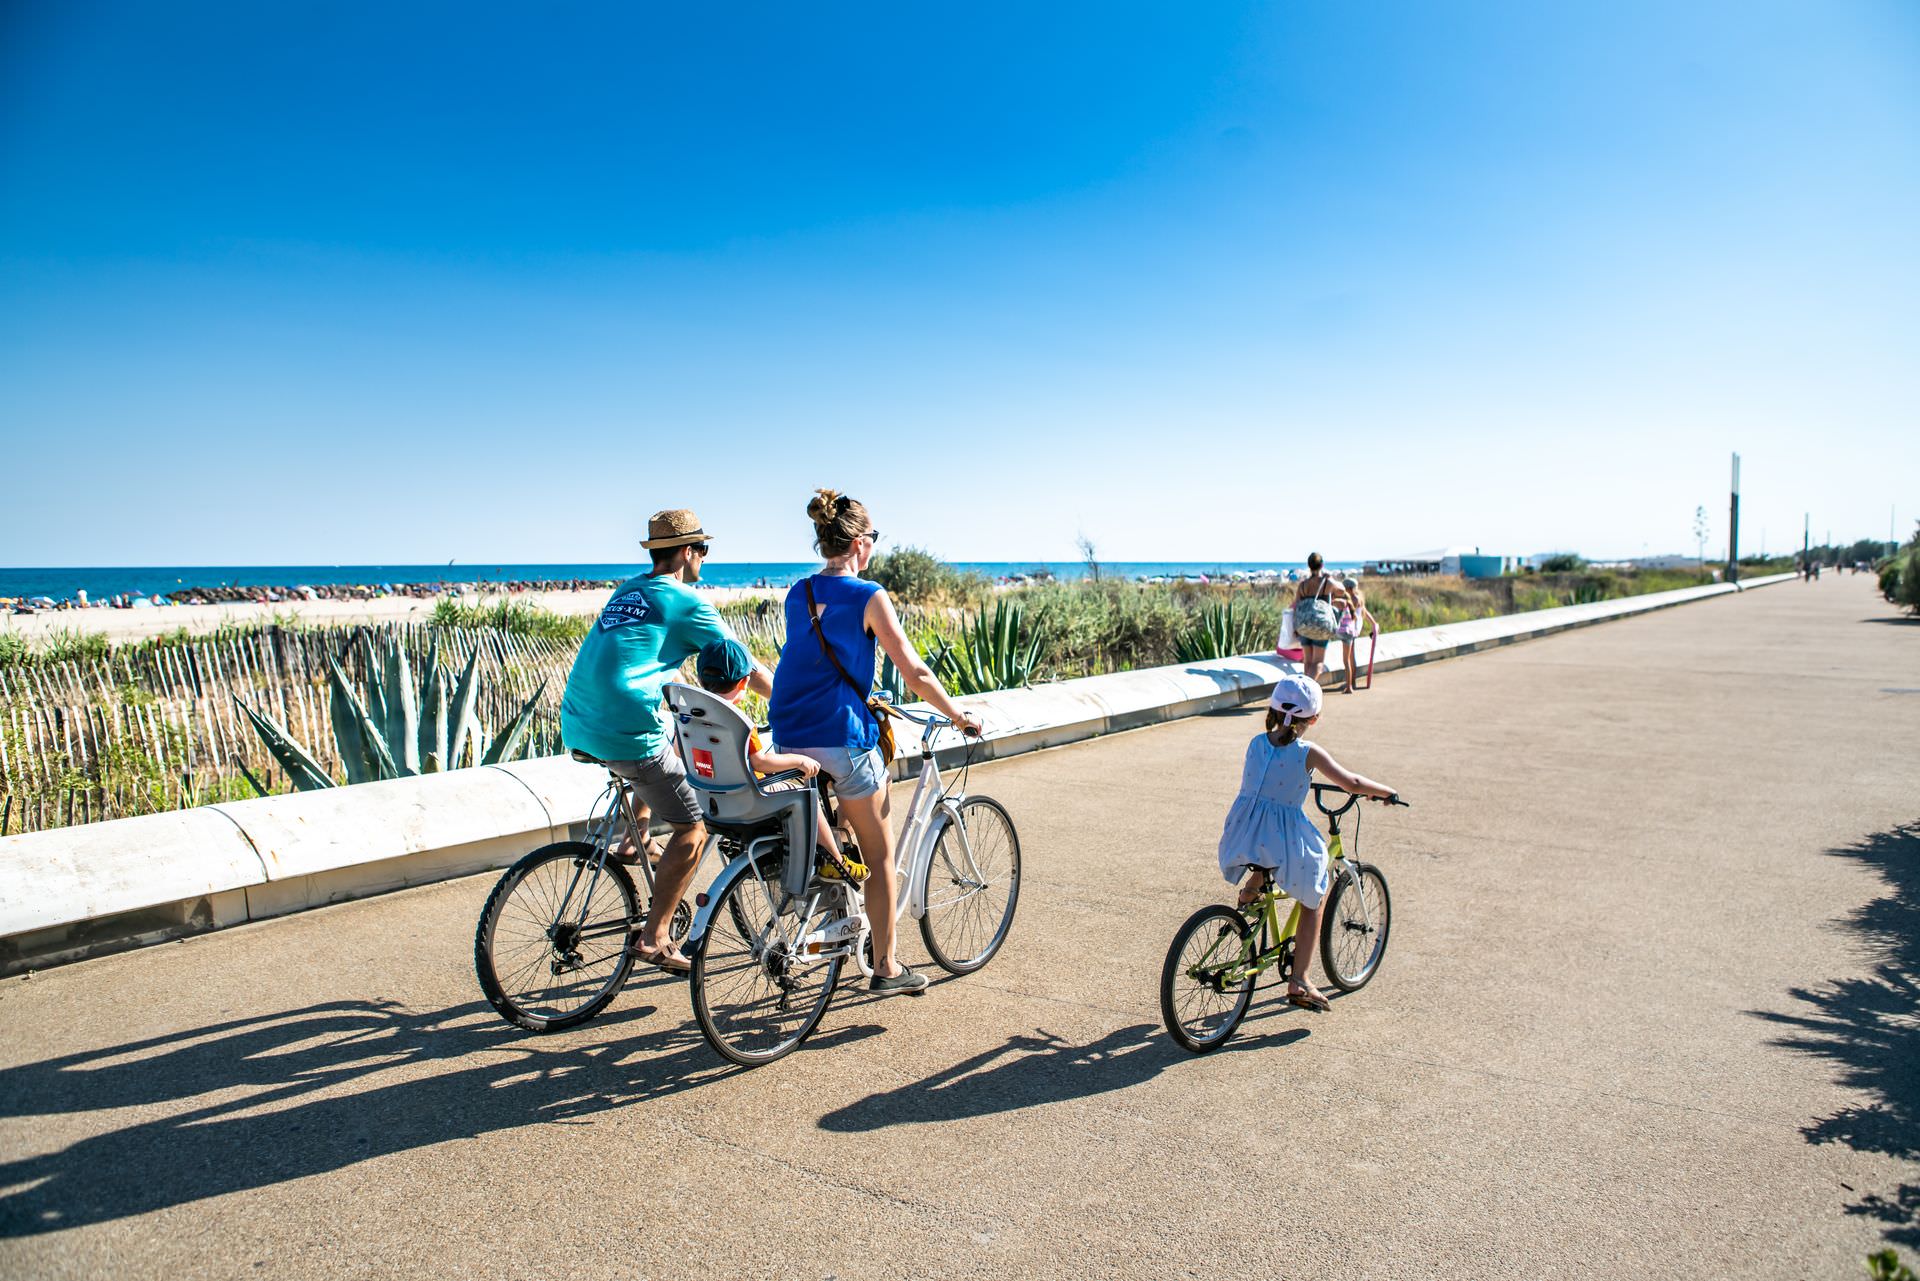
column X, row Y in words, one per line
column 703, row 762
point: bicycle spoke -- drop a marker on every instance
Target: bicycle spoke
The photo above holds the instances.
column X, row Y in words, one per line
column 550, row 948
column 1206, row 981
column 972, row 886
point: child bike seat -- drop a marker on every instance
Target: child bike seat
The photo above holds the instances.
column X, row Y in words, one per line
column 712, row 738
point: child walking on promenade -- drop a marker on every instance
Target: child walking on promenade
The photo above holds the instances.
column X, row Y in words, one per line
column 1268, row 832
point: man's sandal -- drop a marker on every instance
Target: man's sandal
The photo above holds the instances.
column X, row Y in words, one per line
column 659, row 958
column 650, row 848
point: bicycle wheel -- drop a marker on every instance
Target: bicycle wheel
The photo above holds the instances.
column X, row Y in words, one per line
column 754, row 997
column 550, row 949
column 1354, row 925
column 1200, row 1007
column 970, row 901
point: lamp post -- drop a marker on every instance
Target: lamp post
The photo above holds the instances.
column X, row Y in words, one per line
column 1733, row 526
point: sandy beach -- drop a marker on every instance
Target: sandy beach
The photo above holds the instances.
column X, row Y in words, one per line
column 138, row 624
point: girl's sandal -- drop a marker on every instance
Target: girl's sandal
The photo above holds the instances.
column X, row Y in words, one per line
column 1309, row 1001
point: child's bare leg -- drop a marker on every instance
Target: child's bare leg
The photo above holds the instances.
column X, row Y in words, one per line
column 1253, row 887
column 823, row 831
column 1304, row 942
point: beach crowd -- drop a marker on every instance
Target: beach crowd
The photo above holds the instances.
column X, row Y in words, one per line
column 233, row 594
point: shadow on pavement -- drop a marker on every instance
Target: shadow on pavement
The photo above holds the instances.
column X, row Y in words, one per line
column 1866, row 1025
column 1027, row 1071
column 304, row 1091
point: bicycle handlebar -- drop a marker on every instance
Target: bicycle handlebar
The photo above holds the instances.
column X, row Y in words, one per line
column 930, row 720
column 1320, row 801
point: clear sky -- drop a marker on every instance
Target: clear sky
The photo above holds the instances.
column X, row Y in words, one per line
column 345, row 282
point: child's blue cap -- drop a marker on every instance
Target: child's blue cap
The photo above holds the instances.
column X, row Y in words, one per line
column 722, row 664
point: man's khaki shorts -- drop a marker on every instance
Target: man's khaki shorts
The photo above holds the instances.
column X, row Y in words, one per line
column 661, row 782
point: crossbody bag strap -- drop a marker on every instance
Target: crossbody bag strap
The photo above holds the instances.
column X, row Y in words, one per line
column 813, row 616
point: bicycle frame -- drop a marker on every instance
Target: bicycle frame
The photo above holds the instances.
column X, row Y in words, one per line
column 1257, row 954
column 615, row 804
column 931, row 810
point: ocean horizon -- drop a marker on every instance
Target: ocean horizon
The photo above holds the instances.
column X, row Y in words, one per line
column 102, row 582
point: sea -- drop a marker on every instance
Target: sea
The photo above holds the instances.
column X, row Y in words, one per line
column 104, row 582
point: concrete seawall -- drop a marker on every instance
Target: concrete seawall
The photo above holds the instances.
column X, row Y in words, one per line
column 85, row 891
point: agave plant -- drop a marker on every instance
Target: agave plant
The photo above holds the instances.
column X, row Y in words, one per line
column 890, row 680
column 990, row 654
column 1221, row 631
column 1587, row 594
column 399, row 730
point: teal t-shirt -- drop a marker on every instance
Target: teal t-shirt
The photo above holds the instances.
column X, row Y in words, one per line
column 645, row 631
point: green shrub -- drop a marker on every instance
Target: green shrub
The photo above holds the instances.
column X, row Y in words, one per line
column 1562, row 563
column 1885, row 1265
column 520, row 618
column 1221, row 631
column 71, row 644
column 915, row 576
column 997, row 652
column 1905, row 587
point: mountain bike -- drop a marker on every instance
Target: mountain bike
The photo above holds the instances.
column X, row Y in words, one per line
column 767, row 955
column 1220, row 954
column 550, row 948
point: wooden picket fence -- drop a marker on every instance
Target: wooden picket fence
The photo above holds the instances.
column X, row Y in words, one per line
column 153, row 727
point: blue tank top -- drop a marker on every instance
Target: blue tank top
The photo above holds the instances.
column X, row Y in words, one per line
column 811, row 706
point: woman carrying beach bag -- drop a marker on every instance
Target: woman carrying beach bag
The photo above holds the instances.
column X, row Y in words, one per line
column 1316, row 619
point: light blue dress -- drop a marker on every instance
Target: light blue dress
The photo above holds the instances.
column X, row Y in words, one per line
column 1268, row 824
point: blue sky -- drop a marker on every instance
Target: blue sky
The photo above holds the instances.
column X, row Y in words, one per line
column 332, row 283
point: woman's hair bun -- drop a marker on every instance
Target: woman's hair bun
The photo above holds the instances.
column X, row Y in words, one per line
column 825, row 505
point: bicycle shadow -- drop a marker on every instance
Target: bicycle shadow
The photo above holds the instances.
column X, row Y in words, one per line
column 1027, row 1071
column 311, row 1090
column 1864, row 1024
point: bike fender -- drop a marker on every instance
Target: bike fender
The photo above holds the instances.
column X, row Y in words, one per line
column 948, row 812
column 703, row 916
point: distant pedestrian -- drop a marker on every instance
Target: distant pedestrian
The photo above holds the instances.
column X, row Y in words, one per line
column 1355, row 621
column 1317, row 599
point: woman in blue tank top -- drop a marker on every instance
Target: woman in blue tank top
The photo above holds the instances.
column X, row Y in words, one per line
column 820, row 712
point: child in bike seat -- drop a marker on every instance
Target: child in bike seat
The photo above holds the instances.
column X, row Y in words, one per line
column 722, row 668
column 1268, row 838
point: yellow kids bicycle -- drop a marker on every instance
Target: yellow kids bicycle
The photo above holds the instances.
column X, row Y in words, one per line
column 1220, row 954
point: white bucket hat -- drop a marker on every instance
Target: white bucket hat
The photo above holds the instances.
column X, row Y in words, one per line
column 1295, row 697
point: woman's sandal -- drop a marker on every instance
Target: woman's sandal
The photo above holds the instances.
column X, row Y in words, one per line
column 659, row 958
column 1309, row 1001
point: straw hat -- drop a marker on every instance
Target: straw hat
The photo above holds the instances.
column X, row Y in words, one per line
column 674, row 528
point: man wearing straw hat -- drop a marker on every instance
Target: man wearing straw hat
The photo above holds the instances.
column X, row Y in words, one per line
column 611, row 712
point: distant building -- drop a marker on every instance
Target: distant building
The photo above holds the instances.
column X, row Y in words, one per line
column 1468, row 561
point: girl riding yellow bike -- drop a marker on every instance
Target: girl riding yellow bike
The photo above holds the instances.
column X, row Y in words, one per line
column 1268, row 838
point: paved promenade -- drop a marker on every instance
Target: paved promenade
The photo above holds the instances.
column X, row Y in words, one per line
column 1649, row 1010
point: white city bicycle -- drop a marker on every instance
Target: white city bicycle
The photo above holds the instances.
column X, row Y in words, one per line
column 771, row 934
